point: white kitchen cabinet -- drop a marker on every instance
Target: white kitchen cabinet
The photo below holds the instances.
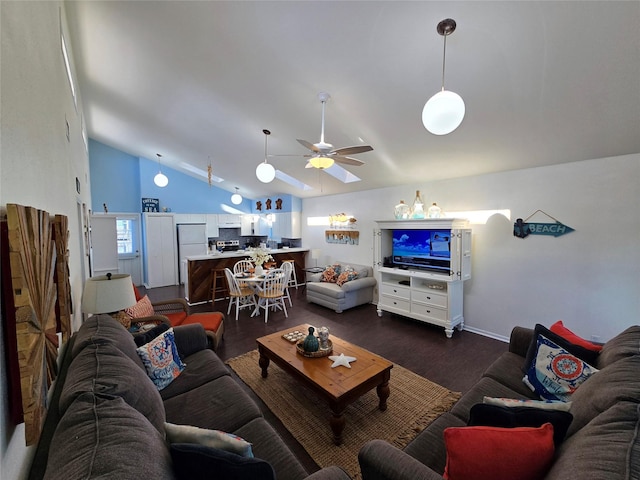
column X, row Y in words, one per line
column 160, row 252
column 229, row 220
column 189, row 218
column 211, row 219
column 286, row 225
column 425, row 293
column 246, row 225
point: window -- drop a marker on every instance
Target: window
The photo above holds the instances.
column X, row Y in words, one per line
column 125, row 232
column 67, row 65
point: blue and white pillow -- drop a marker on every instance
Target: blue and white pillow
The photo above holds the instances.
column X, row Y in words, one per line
column 161, row 359
column 554, row 373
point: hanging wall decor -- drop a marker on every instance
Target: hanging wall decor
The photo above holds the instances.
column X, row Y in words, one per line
column 524, row 228
column 150, row 205
column 344, row 237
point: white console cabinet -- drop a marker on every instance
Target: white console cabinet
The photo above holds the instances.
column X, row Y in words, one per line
column 420, row 293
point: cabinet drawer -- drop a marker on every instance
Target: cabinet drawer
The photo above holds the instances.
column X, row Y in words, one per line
column 429, row 298
column 395, row 302
column 395, row 291
column 428, row 311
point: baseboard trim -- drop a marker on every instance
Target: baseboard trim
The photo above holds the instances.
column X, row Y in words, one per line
column 485, row 333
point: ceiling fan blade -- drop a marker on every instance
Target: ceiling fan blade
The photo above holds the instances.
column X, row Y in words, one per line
column 308, row 165
column 308, row 145
column 353, row 150
column 348, row 161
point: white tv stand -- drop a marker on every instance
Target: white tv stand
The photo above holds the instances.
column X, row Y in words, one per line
column 431, row 297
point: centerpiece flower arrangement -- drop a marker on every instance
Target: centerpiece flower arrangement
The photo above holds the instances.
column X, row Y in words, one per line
column 259, row 256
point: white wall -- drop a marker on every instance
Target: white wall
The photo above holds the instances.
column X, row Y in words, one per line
column 38, row 164
column 589, row 278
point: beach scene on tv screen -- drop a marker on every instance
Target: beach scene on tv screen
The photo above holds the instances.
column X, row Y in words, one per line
column 422, row 243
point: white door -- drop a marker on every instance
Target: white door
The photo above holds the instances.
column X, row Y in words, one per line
column 104, row 247
column 161, row 258
column 129, row 245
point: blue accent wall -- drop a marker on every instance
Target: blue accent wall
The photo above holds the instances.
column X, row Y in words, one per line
column 121, row 181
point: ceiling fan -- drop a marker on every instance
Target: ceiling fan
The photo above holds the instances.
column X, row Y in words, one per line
column 324, row 155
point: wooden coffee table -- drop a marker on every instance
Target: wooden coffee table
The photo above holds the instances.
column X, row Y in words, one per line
column 338, row 386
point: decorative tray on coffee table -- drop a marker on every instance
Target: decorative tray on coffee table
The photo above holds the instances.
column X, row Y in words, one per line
column 318, row 354
column 294, row 336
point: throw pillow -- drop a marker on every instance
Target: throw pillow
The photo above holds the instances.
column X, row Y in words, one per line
column 161, row 359
column 208, row 438
column 540, row 404
column 559, row 329
column 136, row 292
column 498, row 453
column 149, row 335
column 123, row 319
column 555, row 374
column 511, row 417
column 141, row 309
column 331, row 273
column 582, row 353
column 197, row 462
column 346, row 275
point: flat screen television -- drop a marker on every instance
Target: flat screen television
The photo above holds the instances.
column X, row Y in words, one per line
column 423, row 249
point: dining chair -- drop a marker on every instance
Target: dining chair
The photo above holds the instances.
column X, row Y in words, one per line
column 287, row 268
column 271, row 293
column 239, row 294
column 243, row 266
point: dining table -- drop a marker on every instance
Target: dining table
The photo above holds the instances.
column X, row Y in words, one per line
column 254, row 281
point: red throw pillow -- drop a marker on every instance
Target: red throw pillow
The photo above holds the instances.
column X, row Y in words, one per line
column 494, row 453
column 137, row 293
column 141, row 309
column 559, row 329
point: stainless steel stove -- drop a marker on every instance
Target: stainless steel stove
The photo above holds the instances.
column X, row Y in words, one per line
column 228, row 245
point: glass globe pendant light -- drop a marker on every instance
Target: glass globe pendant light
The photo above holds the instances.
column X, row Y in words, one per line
column 444, row 111
column 160, row 179
column 236, row 198
column 265, row 171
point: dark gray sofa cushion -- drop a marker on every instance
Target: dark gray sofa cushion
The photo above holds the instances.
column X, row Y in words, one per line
column 507, row 370
column 614, row 383
column 104, row 369
column 268, row 446
column 102, row 329
column 102, row 437
column 626, row 344
column 606, row 448
column 202, row 367
column 219, row 405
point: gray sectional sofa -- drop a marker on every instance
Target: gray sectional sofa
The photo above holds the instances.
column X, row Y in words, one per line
column 107, row 419
column 342, row 297
column 601, row 442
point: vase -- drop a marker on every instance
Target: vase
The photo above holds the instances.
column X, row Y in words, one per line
column 434, row 211
column 259, row 270
column 402, row 211
column 418, row 207
column 311, row 343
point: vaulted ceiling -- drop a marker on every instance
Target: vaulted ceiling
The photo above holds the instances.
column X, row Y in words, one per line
column 543, row 82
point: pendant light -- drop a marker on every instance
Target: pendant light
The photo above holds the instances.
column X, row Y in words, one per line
column 265, row 171
column 236, row 198
column 443, row 112
column 160, row 179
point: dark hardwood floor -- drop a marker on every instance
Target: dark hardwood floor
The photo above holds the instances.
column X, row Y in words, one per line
column 455, row 363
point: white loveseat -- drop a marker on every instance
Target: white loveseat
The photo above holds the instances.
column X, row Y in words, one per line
column 348, row 295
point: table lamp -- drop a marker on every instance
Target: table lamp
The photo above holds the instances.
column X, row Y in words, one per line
column 315, row 254
column 108, row 293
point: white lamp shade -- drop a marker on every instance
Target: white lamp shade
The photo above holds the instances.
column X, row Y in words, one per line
column 443, row 112
column 161, row 180
column 236, row 199
column 321, row 162
column 315, row 253
column 104, row 295
column 265, row 172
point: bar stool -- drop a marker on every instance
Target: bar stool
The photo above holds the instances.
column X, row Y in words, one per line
column 293, row 280
column 218, row 285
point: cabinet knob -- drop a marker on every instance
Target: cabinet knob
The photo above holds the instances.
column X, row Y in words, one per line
column 428, row 298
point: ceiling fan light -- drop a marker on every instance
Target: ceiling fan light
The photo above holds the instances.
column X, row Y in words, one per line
column 265, row 172
column 161, row 180
column 321, row 162
column 443, row 112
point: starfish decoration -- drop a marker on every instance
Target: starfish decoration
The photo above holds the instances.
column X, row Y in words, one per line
column 341, row 360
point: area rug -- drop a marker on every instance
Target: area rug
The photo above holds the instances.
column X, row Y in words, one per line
column 413, row 404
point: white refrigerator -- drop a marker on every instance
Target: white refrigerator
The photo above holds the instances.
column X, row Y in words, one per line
column 192, row 240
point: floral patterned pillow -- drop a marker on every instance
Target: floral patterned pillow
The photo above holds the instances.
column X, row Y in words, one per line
column 331, row 273
column 161, row 359
column 346, row 275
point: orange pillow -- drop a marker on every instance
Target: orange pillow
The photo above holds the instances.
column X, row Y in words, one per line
column 559, row 329
column 141, row 309
column 494, row 453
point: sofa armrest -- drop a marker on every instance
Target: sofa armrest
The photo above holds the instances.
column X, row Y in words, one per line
column 171, row 306
column 380, row 460
column 190, row 339
column 358, row 284
column 314, row 277
column 329, row 473
column 520, row 339
column 154, row 319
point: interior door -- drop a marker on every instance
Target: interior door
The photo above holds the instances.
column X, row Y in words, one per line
column 104, row 247
column 129, row 244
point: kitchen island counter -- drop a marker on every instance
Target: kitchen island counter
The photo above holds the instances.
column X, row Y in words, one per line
column 197, row 286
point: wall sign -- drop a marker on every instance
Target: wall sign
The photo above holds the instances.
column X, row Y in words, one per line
column 150, row 205
column 524, row 228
